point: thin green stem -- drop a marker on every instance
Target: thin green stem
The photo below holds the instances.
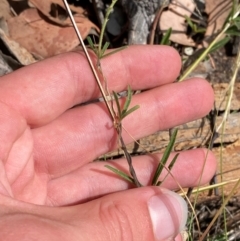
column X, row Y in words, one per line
column 129, row 158
column 203, row 55
column 109, row 10
column 207, row 50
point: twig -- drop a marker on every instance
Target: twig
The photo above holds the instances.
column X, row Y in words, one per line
column 156, row 20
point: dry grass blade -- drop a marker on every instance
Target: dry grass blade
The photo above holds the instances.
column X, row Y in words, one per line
column 231, row 89
column 219, row 211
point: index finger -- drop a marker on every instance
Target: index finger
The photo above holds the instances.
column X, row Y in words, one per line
column 42, row 91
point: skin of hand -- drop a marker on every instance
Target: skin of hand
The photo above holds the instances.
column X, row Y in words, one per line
column 49, row 187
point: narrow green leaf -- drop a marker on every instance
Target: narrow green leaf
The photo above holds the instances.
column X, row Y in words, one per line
column 237, row 24
column 92, row 46
column 233, row 31
column 200, row 30
column 164, row 157
column 189, row 21
column 127, row 101
column 170, row 168
column 230, row 15
column 114, row 51
column 130, row 111
column 219, row 44
column 105, row 47
column 165, row 39
column 236, row 20
column 193, row 26
column 90, row 42
column 120, row 173
column 118, row 105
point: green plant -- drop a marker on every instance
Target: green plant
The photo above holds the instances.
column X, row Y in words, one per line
column 120, row 113
column 230, row 28
column 232, row 20
column 166, row 37
column 194, row 26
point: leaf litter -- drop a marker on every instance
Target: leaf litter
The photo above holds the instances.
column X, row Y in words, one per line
column 43, row 28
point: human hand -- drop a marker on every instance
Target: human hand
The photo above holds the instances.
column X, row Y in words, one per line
column 50, row 188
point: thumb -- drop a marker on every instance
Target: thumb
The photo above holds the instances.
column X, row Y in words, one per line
column 148, row 213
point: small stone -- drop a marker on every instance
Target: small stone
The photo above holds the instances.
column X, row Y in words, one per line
column 188, row 51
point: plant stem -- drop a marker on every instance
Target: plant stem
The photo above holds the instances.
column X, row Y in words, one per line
column 109, row 10
column 128, row 157
column 89, row 60
column 203, row 55
column 207, row 50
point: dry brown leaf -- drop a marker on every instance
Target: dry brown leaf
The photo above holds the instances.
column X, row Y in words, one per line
column 45, row 7
column 46, row 4
column 174, row 18
column 43, row 39
column 218, row 11
column 5, row 9
column 21, row 54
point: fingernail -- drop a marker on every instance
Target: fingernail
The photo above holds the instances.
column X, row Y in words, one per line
column 168, row 212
